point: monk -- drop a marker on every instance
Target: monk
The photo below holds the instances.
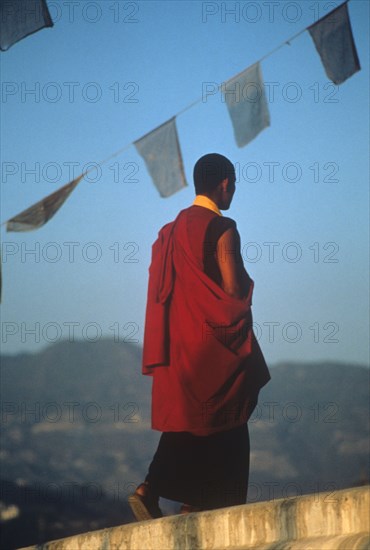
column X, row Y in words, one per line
column 201, row 352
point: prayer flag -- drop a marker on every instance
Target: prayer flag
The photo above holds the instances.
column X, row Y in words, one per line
column 333, row 39
column 19, row 18
column 160, row 150
column 38, row 214
column 246, row 101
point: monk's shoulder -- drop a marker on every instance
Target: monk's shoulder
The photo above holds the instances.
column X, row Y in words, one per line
column 196, row 212
column 165, row 228
column 218, row 225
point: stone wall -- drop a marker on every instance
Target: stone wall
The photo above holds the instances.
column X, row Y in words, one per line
column 321, row 521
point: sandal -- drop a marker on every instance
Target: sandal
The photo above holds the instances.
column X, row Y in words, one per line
column 144, row 505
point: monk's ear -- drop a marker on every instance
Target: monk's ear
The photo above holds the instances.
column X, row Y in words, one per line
column 225, row 184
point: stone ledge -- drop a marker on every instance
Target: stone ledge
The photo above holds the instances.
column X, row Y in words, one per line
column 359, row 541
column 335, row 520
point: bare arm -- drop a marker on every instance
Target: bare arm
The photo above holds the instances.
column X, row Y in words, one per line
column 234, row 277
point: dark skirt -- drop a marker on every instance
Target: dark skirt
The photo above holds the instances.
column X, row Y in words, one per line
column 205, row 471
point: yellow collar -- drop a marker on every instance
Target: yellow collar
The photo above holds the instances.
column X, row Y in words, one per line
column 202, row 200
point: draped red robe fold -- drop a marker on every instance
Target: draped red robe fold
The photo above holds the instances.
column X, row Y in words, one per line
column 199, row 344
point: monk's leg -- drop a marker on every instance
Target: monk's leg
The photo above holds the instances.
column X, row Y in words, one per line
column 202, row 472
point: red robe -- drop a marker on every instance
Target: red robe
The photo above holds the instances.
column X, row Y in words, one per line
column 199, row 344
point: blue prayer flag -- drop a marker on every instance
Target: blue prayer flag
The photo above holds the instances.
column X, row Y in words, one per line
column 333, row 38
column 19, row 18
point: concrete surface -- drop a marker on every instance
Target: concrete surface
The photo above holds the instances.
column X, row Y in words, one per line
column 338, row 520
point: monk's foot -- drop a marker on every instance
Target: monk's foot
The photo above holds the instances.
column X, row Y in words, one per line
column 144, row 504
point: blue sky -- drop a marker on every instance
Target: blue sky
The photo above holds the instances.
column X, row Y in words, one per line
column 109, row 72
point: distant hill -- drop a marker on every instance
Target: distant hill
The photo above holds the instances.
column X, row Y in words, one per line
column 76, row 423
column 313, row 434
column 32, row 514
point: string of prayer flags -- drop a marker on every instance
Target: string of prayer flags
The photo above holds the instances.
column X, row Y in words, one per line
column 38, row 214
column 246, row 101
column 20, row 18
column 161, row 152
column 244, row 95
column 333, row 39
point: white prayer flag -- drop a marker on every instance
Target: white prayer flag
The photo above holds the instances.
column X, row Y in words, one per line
column 333, row 38
column 160, row 150
column 246, row 101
